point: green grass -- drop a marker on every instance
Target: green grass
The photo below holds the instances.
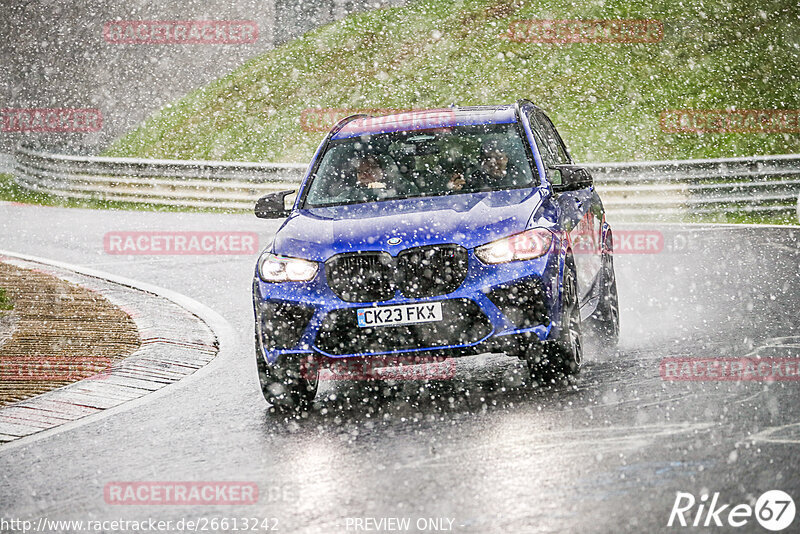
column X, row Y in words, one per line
column 5, row 302
column 11, row 191
column 744, row 218
column 605, row 98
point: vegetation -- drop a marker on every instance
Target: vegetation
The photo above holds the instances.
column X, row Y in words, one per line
column 5, row 302
column 605, row 98
column 11, row 191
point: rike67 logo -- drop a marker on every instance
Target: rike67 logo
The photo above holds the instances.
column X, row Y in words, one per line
column 774, row 510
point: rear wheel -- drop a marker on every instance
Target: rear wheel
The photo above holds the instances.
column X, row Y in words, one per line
column 562, row 356
column 605, row 320
column 291, row 383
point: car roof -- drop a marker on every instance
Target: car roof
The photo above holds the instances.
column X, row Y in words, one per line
column 426, row 118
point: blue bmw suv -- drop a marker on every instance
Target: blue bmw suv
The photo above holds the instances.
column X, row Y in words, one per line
column 441, row 232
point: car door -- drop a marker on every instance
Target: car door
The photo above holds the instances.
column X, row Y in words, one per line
column 581, row 214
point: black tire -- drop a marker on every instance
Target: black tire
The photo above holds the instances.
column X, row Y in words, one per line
column 290, row 384
column 562, row 356
column 605, row 319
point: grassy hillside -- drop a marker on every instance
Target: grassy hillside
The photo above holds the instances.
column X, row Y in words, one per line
column 605, row 98
column 5, row 302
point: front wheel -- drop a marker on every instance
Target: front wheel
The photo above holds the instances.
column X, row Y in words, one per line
column 562, row 356
column 290, row 384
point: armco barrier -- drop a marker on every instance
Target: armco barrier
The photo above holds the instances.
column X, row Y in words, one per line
column 198, row 184
column 767, row 184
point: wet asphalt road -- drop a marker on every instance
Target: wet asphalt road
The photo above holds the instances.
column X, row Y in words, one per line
column 487, row 451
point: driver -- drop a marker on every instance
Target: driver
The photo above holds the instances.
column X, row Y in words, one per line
column 373, row 182
column 359, row 180
column 369, row 173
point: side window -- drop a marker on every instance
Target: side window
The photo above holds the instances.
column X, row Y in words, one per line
column 545, row 150
column 553, row 139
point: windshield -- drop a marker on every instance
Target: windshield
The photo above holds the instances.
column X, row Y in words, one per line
column 440, row 161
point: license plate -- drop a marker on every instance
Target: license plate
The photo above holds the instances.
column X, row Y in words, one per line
column 400, row 315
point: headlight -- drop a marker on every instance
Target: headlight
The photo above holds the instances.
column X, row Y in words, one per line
column 272, row 268
column 523, row 246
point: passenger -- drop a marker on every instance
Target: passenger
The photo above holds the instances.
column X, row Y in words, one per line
column 493, row 172
column 455, row 176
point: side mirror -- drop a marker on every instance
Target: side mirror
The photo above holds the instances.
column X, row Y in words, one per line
column 273, row 206
column 569, row 177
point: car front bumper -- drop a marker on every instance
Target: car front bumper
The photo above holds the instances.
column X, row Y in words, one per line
column 494, row 307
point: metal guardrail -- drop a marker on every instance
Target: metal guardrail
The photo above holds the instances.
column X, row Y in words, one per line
column 766, row 184
column 197, row 184
column 6, row 163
